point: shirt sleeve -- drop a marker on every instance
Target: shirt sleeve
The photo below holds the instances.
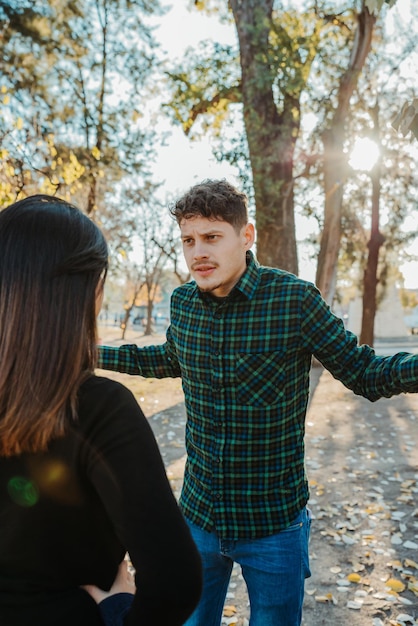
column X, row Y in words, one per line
column 114, row 609
column 127, row 472
column 159, row 361
column 357, row 367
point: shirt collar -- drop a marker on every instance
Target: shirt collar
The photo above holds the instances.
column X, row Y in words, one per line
column 247, row 284
column 249, row 281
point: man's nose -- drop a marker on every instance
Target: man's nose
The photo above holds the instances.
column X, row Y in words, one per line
column 200, row 250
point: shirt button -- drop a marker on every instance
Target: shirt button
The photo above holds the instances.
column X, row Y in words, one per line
column 218, row 496
column 218, row 459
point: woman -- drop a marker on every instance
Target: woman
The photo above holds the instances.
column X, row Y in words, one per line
column 81, row 478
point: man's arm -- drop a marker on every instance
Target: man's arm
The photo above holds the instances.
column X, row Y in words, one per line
column 357, row 367
column 159, row 361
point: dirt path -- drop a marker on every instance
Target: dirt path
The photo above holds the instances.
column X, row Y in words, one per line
column 362, row 464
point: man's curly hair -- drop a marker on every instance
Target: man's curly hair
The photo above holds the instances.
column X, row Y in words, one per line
column 215, row 200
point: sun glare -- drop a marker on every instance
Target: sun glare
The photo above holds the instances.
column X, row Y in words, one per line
column 364, row 154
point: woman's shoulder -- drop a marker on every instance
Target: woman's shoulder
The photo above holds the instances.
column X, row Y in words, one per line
column 101, row 396
column 102, row 387
column 101, row 384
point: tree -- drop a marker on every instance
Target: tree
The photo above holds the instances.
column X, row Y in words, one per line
column 81, row 84
column 276, row 53
column 134, row 282
column 171, row 247
column 275, row 87
column 278, row 48
column 144, row 258
column 334, row 159
column 376, row 201
column 376, row 240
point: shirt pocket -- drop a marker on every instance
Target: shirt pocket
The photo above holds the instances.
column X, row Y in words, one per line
column 260, row 378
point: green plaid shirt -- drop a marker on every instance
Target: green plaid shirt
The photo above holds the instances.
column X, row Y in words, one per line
column 244, row 363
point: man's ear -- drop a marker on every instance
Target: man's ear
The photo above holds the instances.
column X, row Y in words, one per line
column 249, row 235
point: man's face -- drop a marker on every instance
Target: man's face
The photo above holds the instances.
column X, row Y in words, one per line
column 215, row 253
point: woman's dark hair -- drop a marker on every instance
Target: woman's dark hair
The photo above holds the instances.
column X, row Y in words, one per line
column 215, row 200
column 53, row 261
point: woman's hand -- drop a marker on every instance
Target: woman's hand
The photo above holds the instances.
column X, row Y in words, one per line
column 123, row 583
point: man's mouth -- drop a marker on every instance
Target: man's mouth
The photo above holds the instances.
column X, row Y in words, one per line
column 203, row 270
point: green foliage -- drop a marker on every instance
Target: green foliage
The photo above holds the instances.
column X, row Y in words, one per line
column 294, row 40
column 212, row 7
column 375, row 6
column 76, row 76
column 206, row 89
column 205, row 85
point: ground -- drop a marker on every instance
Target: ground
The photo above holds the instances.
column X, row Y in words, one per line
column 362, row 465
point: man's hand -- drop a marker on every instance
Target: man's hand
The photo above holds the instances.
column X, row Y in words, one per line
column 123, row 583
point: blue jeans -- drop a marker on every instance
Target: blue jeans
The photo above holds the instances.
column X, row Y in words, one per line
column 274, row 569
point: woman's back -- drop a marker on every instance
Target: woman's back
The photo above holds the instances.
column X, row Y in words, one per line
column 68, row 515
column 81, row 477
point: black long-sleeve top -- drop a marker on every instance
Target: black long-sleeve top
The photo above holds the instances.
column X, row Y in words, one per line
column 68, row 516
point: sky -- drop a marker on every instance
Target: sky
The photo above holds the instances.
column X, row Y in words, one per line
column 182, row 163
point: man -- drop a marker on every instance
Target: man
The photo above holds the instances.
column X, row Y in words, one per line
column 242, row 338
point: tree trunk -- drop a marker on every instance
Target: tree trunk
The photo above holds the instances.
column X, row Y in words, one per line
column 370, row 279
column 124, row 324
column 148, row 324
column 334, row 159
column 271, row 137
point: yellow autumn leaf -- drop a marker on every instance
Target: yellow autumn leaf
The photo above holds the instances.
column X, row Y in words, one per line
column 3, row 89
column 229, row 610
column 327, row 598
column 408, row 484
column 354, row 578
column 413, row 586
column 95, row 152
column 19, row 123
column 395, row 585
column 411, row 563
column 372, row 509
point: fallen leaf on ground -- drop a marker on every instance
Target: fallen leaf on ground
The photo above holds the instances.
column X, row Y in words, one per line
column 395, row 585
column 229, row 610
column 354, row 578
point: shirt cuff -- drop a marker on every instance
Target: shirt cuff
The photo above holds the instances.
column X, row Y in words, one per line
column 115, row 608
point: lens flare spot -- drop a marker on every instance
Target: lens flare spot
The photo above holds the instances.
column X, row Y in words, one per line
column 55, row 472
column 22, row 491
